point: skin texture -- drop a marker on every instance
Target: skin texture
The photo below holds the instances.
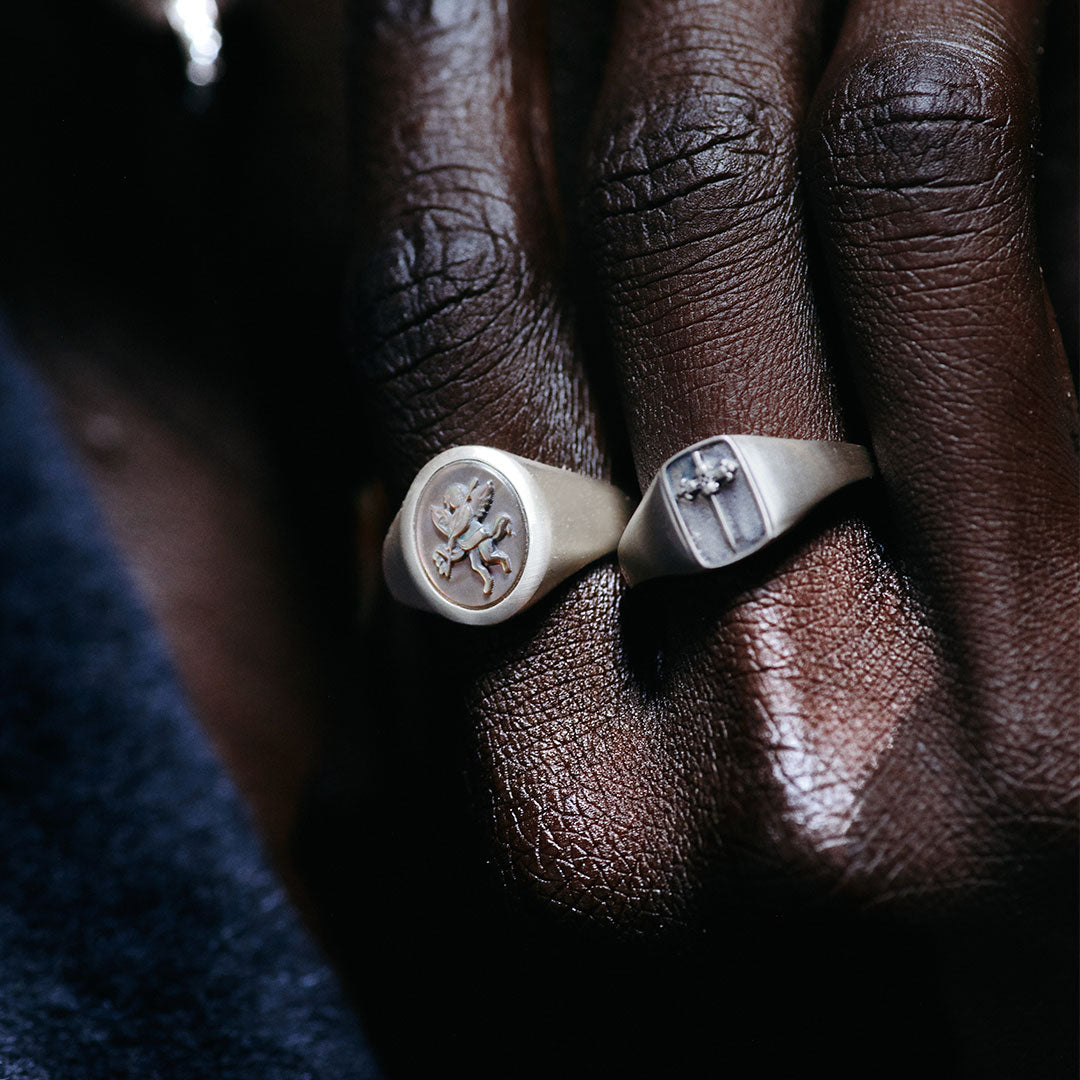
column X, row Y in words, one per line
column 790, row 221
column 814, row 811
column 916, row 636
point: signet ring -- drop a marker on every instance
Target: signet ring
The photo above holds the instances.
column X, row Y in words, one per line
column 484, row 533
column 724, row 498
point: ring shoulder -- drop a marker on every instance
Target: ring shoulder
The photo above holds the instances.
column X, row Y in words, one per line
column 793, row 475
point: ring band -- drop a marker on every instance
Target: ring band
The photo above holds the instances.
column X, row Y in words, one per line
column 483, row 533
column 722, row 499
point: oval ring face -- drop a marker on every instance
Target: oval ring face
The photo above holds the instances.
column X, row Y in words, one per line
column 471, row 534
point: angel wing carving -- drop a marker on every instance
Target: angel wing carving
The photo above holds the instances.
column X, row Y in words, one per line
column 461, row 520
column 481, row 499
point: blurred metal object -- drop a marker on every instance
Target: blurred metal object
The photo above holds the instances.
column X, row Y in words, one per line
column 195, row 22
column 483, row 533
column 724, row 498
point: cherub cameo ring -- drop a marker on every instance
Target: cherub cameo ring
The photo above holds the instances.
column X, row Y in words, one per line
column 483, row 533
column 722, row 499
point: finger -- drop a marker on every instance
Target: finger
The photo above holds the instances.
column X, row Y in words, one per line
column 799, row 666
column 456, row 323
column 921, row 163
column 695, row 223
column 461, row 337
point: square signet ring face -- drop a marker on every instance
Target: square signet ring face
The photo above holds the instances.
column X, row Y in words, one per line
column 721, row 499
column 715, row 503
column 484, row 533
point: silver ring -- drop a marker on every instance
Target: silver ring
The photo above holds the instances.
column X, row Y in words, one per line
column 722, row 499
column 483, row 533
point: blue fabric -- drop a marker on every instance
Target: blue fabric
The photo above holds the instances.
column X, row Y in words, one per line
column 141, row 931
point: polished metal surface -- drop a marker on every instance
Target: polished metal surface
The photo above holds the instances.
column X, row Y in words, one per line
column 724, row 498
column 483, row 533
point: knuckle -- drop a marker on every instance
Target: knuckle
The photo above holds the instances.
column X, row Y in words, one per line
column 918, row 127
column 442, row 285
column 673, row 169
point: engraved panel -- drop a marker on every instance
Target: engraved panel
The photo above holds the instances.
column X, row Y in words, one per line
column 471, row 534
column 715, row 502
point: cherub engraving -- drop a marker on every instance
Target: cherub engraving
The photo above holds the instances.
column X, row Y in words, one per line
column 461, row 520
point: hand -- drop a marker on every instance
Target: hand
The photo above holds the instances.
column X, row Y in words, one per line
column 776, row 235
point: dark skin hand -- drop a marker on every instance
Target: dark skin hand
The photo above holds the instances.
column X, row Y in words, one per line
column 778, row 234
column 918, row 637
column 814, row 811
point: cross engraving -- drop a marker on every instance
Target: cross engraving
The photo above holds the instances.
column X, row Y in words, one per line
column 707, row 482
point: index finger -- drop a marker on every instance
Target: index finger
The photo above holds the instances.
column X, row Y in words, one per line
column 457, row 323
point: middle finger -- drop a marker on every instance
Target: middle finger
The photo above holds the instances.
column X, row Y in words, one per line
column 694, row 209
